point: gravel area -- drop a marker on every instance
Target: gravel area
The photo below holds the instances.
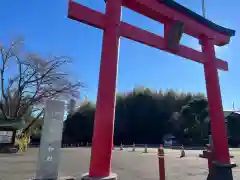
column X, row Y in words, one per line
column 128, row 165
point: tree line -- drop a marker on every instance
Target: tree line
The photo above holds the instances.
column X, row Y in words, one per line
column 144, row 116
column 141, row 116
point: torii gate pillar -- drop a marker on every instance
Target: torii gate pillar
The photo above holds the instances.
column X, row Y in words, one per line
column 221, row 160
column 100, row 165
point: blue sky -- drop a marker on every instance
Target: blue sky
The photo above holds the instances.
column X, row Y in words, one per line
column 47, row 30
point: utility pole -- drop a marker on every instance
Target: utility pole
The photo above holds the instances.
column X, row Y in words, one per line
column 203, row 9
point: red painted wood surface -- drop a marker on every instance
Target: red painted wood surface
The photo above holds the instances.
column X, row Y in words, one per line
column 88, row 16
column 100, row 165
column 161, row 13
column 153, row 40
column 218, row 128
column 161, row 163
column 85, row 15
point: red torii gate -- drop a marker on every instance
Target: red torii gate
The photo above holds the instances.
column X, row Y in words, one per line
column 176, row 19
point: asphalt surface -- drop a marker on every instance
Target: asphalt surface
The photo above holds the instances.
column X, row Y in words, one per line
column 128, row 165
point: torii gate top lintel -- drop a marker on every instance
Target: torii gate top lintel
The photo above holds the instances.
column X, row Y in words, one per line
column 166, row 11
column 194, row 25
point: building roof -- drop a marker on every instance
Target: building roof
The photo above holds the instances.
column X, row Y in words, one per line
column 226, row 114
column 178, row 7
column 12, row 124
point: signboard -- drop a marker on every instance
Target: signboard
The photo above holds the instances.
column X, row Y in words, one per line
column 50, row 146
column 6, row 137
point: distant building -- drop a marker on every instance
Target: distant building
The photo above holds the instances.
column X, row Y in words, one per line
column 169, row 140
column 229, row 112
column 226, row 114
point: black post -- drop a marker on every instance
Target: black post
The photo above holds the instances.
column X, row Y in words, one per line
column 221, row 171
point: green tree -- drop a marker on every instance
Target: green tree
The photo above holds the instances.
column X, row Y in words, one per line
column 141, row 116
column 79, row 126
column 194, row 120
column 233, row 124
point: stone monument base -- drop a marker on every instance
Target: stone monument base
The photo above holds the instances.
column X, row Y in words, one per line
column 112, row 176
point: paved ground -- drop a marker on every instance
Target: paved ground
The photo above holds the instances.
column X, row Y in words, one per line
column 128, row 165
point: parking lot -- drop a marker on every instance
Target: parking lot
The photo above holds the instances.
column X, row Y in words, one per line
column 127, row 164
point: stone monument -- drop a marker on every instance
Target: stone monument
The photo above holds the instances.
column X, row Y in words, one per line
column 51, row 139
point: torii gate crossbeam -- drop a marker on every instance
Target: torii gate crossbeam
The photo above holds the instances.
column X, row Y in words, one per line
column 94, row 18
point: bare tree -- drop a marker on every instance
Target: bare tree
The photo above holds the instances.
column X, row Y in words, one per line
column 34, row 80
